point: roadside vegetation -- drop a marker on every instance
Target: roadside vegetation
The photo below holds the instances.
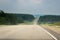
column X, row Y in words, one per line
column 15, row 18
column 50, row 20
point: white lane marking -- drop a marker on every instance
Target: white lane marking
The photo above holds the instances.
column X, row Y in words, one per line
column 48, row 33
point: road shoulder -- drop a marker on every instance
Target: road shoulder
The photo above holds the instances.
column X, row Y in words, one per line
column 52, row 30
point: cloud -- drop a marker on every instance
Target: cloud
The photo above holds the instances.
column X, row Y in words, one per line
column 4, row 1
column 35, row 1
column 29, row 2
column 28, row 5
column 31, row 6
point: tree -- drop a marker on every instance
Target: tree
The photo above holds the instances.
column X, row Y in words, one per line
column 2, row 13
column 2, row 17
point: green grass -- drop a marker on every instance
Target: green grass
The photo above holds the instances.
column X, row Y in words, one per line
column 52, row 24
column 57, row 23
column 27, row 22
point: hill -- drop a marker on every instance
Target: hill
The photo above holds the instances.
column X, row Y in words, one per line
column 10, row 18
column 50, row 19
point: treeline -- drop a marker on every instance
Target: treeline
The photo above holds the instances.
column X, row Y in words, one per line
column 51, row 19
column 10, row 18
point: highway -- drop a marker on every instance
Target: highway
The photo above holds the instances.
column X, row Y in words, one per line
column 23, row 32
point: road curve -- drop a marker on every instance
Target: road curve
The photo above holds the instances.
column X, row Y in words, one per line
column 23, row 32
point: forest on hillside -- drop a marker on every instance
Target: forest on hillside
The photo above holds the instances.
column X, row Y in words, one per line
column 11, row 18
column 50, row 19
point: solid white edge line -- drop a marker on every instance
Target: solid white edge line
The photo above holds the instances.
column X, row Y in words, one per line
column 49, row 33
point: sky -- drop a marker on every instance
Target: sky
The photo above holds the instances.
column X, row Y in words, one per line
column 43, row 7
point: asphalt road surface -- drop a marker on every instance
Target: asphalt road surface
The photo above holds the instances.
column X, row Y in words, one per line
column 23, row 32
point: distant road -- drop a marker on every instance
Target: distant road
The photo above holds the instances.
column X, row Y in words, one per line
column 23, row 32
